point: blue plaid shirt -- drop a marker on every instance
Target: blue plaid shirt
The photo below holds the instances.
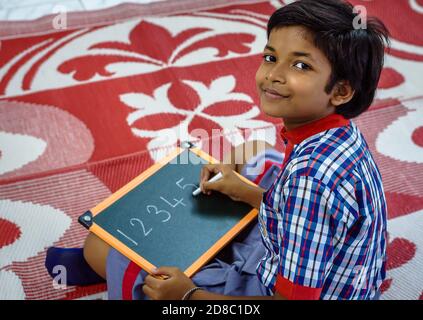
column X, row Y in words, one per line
column 323, row 221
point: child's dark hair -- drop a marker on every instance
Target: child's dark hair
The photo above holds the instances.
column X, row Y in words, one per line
column 356, row 55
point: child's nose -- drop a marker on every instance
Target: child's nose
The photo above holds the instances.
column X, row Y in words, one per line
column 276, row 74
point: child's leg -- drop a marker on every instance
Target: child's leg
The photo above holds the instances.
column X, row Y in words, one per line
column 95, row 253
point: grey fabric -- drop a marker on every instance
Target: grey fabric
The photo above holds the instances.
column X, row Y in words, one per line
column 233, row 271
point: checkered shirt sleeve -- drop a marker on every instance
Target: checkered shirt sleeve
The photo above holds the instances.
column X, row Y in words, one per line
column 306, row 247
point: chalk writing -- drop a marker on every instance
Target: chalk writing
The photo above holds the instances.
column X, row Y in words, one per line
column 153, row 209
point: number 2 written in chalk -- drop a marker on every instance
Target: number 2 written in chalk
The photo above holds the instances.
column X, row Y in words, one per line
column 136, row 222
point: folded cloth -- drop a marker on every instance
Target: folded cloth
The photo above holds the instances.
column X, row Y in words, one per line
column 263, row 168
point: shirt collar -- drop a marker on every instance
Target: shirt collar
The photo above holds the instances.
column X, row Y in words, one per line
column 299, row 134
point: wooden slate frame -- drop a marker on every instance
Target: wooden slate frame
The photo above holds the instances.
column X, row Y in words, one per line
column 87, row 218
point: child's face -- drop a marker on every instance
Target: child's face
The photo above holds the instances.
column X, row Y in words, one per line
column 297, row 73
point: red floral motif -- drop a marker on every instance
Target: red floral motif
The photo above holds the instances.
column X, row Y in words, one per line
column 385, row 285
column 390, row 78
column 161, row 49
column 159, row 121
column 9, row 232
column 5, row 80
column 227, row 109
column 158, row 53
column 224, row 43
column 400, row 204
column 232, row 108
column 399, row 252
column 200, row 123
column 185, row 98
column 85, row 68
column 196, row 111
column 417, row 136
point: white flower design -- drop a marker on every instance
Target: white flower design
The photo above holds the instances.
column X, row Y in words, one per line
column 221, row 90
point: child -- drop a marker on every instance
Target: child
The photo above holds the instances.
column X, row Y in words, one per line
column 322, row 216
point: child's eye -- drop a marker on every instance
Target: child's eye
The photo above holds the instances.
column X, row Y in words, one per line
column 268, row 58
column 302, row 66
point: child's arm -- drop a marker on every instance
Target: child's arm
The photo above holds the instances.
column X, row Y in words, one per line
column 230, row 184
column 252, row 195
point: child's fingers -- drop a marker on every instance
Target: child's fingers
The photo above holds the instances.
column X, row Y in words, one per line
column 210, row 170
column 166, row 271
column 149, row 292
column 215, row 168
column 205, row 175
column 215, row 186
column 152, row 281
column 207, row 172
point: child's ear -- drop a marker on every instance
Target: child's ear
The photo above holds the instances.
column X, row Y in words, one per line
column 341, row 93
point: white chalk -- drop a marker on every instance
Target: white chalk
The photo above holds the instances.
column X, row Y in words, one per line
column 213, row 179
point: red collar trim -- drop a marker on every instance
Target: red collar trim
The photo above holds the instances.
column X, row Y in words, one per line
column 298, row 135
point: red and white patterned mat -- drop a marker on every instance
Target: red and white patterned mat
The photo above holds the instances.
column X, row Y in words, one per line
column 84, row 110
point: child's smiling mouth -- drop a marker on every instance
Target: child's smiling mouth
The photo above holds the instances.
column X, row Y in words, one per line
column 272, row 94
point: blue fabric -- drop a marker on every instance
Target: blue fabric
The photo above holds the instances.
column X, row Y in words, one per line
column 78, row 272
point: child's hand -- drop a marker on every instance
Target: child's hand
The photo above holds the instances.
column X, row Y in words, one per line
column 230, row 184
column 173, row 288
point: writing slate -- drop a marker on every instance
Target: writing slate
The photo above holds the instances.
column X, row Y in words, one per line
column 156, row 221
